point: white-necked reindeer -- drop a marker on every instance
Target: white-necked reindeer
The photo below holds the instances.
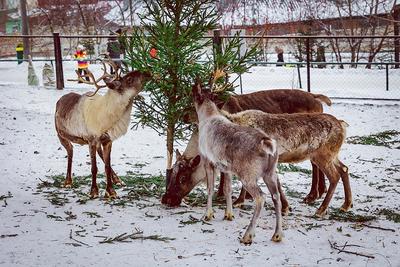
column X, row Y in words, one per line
column 98, row 120
column 246, row 152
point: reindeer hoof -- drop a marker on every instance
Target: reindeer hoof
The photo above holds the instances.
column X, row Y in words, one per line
column 229, row 216
column 277, row 237
column 247, row 239
column 321, row 213
column 209, row 216
column 285, row 211
column 94, row 195
column 238, row 203
column 67, row 184
column 110, row 195
column 345, row 207
column 310, row 198
column 119, row 183
column 94, row 192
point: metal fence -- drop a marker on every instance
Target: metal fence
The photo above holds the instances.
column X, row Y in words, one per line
column 302, row 67
column 370, row 72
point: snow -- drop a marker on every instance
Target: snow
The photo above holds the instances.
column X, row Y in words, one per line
column 26, row 118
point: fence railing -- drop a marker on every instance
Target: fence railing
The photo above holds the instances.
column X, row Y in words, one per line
column 218, row 40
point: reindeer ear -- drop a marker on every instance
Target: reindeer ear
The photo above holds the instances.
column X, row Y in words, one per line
column 195, row 161
column 114, row 85
column 178, row 154
column 197, row 92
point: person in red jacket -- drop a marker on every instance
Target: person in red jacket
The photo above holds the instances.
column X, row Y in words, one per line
column 80, row 55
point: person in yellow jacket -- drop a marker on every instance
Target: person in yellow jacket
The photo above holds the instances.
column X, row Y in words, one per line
column 20, row 52
column 80, row 55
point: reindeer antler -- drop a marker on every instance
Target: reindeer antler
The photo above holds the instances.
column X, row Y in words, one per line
column 94, row 81
column 218, row 73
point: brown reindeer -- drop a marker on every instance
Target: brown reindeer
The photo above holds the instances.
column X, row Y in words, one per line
column 316, row 137
column 223, row 145
column 95, row 120
column 187, row 173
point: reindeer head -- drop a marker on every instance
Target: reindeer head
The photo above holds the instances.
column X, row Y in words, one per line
column 201, row 95
column 133, row 80
column 181, row 181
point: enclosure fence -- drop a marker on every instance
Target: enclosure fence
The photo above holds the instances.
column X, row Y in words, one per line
column 359, row 67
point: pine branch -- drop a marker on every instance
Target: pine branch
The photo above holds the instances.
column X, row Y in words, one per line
column 134, row 236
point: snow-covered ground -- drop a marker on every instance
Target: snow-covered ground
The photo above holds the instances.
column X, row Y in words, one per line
column 34, row 232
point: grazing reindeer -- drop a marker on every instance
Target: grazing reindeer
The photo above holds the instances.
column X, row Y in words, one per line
column 98, row 120
column 317, row 137
column 187, row 172
column 224, row 145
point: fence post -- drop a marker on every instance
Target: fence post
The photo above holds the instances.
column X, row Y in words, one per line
column 308, row 64
column 299, row 75
column 58, row 60
column 217, row 42
column 387, row 76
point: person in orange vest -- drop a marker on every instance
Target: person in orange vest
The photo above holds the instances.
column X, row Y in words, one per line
column 80, row 55
column 20, row 52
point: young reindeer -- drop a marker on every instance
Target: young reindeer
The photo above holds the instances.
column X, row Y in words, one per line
column 95, row 120
column 223, row 145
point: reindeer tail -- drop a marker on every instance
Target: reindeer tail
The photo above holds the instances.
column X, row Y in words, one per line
column 323, row 98
column 268, row 146
column 344, row 124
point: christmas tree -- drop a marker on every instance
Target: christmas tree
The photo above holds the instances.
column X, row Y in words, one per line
column 171, row 44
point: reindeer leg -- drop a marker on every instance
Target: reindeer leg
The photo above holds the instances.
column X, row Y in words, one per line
column 210, row 172
column 321, row 184
column 110, row 192
column 228, row 196
column 333, row 175
column 273, row 186
column 285, row 203
column 94, row 190
column 70, row 152
column 344, row 174
column 221, row 188
column 314, row 192
column 255, row 191
column 240, row 200
column 116, row 180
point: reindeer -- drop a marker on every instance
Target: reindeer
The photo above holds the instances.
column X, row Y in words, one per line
column 317, row 137
column 223, row 145
column 187, row 173
column 95, row 120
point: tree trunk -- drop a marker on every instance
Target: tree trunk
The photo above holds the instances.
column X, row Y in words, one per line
column 396, row 30
column 170, row 143
column 336, row 50
column 25, row 29
column 353, row 56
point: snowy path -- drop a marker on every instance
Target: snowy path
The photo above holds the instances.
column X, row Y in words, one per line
column 36, row 233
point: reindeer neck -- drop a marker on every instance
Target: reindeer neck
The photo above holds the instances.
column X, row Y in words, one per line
column 102, row 112
column 192, row 148
column 207, row 110
column 115, row 101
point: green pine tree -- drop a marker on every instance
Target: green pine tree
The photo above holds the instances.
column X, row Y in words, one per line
column 176, row 30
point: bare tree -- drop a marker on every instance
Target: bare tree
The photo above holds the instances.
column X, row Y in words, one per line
column 375, row 46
